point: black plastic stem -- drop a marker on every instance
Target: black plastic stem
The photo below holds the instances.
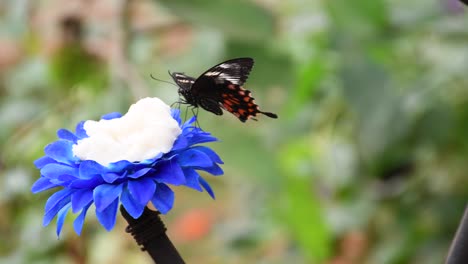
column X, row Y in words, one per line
column 458, row 253
column 150, row 234
column 464, row 2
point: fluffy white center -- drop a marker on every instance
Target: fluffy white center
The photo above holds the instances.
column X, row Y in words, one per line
column 146, row 130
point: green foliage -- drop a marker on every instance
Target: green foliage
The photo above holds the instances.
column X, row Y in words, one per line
column 72, row 66
column 301, row 208
column 248, row 22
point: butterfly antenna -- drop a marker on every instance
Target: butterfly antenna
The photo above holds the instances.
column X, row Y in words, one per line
column 156, row 79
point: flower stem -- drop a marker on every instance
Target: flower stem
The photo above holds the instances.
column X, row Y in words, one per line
column 150, row 233
column 458, row 252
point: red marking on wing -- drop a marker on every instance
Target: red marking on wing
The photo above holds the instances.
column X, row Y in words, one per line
column 239, row 102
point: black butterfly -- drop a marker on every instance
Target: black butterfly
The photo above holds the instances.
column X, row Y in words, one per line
column 221, row 88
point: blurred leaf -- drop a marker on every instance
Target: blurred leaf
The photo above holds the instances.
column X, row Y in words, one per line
column 72, row 65
column 237, row 19
column 361, row 18
column 378, row 108
column 251, row 158
column 302, row 209
column 308, row 79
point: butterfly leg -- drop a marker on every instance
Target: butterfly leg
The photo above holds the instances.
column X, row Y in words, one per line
column 186, row 112
column 178, row 103
column 195, row 113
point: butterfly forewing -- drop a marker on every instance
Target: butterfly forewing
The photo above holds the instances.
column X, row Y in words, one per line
column 235, row 71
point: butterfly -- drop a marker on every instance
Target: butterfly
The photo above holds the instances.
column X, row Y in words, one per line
column 221, row 87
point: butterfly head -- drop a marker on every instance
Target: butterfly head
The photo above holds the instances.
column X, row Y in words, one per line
column 184, row 82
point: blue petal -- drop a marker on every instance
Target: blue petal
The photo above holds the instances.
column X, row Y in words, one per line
column 61, row 218
column 55, row 170
column 214, row 170
column 90, row 168
column 56, row 202
column 189, row 122
column 80, row 131
column 119, row 166
column 163, row 198
column 214, row 157
column 64, row 179
column 57, row 197
column 87, row 183
column 176, row 115
column 201, row 138
column 193, row 157
column 180, row 143
column 142, row 190
column 111, row 116
column 137, row 174
column 191, row 177
column 111, row 177
column 107, row 217
column 58, row 182
column 67, row 135
column 133, row 207
column 61, row 151
column 80, row 199
column 145, row 162
column 79, row 221
column 207, row 187
column 41, row 162
column 105, row 194
column 169, row 172
column 42, row 184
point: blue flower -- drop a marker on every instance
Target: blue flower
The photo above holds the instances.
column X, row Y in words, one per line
column 83, row 183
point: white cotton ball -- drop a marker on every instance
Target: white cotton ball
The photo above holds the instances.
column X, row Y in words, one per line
column 146, row 130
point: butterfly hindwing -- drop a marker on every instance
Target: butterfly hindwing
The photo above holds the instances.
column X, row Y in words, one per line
column 239, row 102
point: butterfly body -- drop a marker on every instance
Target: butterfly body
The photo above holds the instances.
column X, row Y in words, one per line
column 220, row 88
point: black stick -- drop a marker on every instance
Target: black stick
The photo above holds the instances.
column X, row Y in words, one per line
column 150, row 233
column 464, row 2
column 458, row 253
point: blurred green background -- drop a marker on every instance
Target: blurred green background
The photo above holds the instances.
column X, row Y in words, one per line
column 367, row 162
